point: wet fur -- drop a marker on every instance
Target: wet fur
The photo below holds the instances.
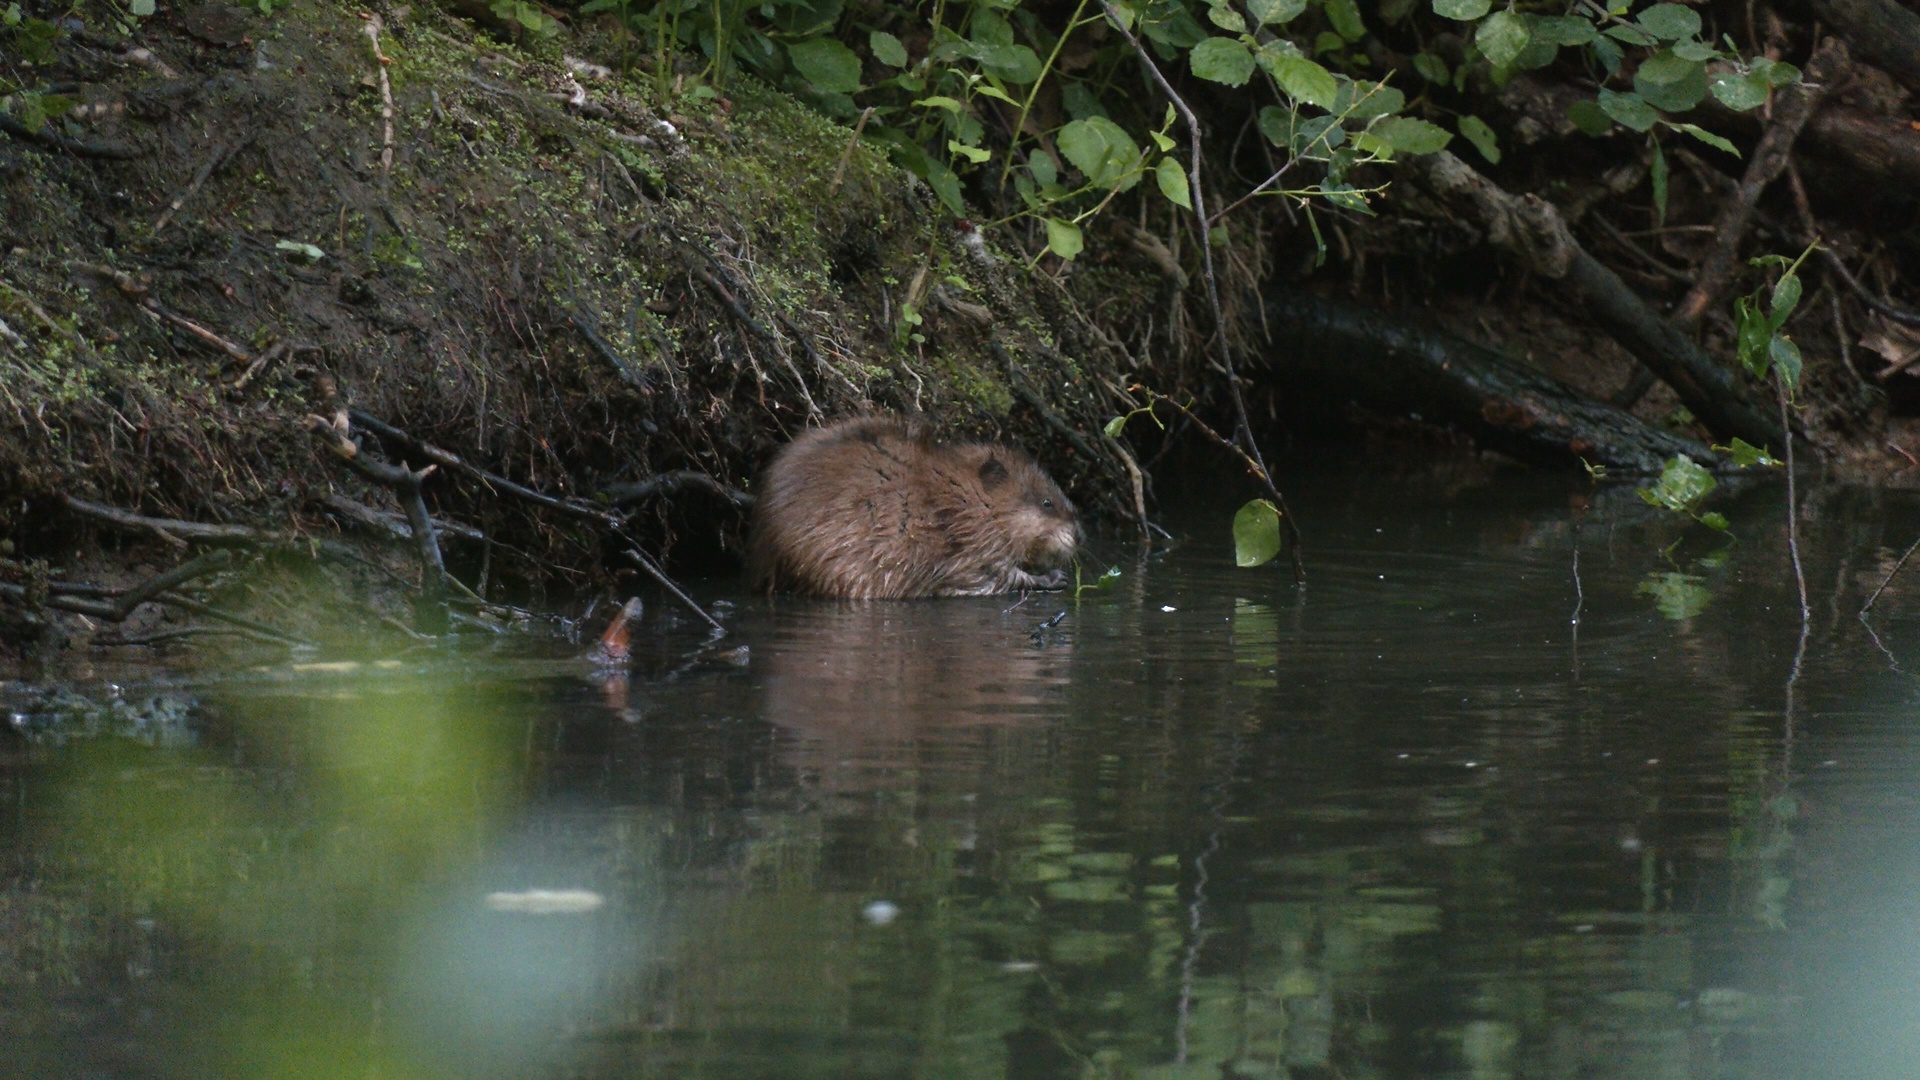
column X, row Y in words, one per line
column 875, row 509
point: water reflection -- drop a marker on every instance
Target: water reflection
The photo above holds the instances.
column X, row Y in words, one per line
column 1415, row 821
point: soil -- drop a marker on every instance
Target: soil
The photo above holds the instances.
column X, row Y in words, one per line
column 557, row 278
column 617, row 297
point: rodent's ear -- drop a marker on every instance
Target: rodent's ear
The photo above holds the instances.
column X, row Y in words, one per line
column 992, row 472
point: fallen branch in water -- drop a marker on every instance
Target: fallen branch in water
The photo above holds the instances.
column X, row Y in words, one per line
column 674, row 481
column 394, row 525
column 613, row 523
column 1535, row 231
column 116, row 605
column 171, row 530
column 406, row 484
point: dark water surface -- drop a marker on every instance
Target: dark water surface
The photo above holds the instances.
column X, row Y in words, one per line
column 1415, row 820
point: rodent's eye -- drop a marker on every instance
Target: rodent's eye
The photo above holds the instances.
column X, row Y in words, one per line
column 1046, row 504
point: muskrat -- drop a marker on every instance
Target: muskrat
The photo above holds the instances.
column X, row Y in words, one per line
column 875, row 509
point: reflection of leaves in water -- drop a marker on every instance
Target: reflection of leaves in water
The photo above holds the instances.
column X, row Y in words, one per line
column 1089, row 890
column 1388, row 920
column 1677, row 595
column 1087, row 948
column 1256, row 642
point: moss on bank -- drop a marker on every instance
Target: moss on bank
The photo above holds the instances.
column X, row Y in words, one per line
column 562, row 278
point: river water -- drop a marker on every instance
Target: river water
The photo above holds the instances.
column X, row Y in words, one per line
column 1530, row 780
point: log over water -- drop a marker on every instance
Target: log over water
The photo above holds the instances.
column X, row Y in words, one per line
column 1395, row 365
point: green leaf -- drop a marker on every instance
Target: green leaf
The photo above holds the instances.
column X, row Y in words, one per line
column 1301, row 79
column 1344, row 15
column 1714, row 519
column 1657, row 177
column 1016, row 64
column 1786, row 358
column 1431, row 68
column 1481, row 136
column 1344, row 196
column 1752, row 336
column 887, row 49
column 1708, row 137
column 1410, row 136
column 1741, row 93
column 1632, row 35
column 827, row 64
column 1367, row 143
column 1361, row 100
column 1256, row 533
column 1501, row 38
column 1102, row 151
column 1274, row 12
column 1695, row 50
column 1461, row 10
column 1173, row 183
column 952, row 105
column 1743, row 454
column 1227, row 19
column 1682, row 485
column 1608, row 54
column 988, row 27
column 947, row 185
column 1064, row 238
column 1628, row 109
column 1119, row 424
column 972, row 153
column 1042, row 167
column 1776, row 73
column 1224, row 60
column 1569, row 30
column 141, row 9
column 1669, row 22
column 1589, row 117
column 1786, row 297
column 1669, row 82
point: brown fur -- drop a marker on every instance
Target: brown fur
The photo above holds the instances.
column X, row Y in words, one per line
column 874, row 509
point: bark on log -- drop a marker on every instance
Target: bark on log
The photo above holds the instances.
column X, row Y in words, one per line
column 1888, row 148
column 1532, row 229
column 1882, row 31
column 1393, row 365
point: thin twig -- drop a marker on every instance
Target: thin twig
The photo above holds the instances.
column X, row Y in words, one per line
column 373, row 28
column 1254, row 469
column 219, row 155
column 1243, row 441
column 1888, row 580
column 667, row 583
column 846, row 155
column 1793, row 514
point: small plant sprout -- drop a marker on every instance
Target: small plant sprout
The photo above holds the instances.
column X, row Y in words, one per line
column 1760, row 344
